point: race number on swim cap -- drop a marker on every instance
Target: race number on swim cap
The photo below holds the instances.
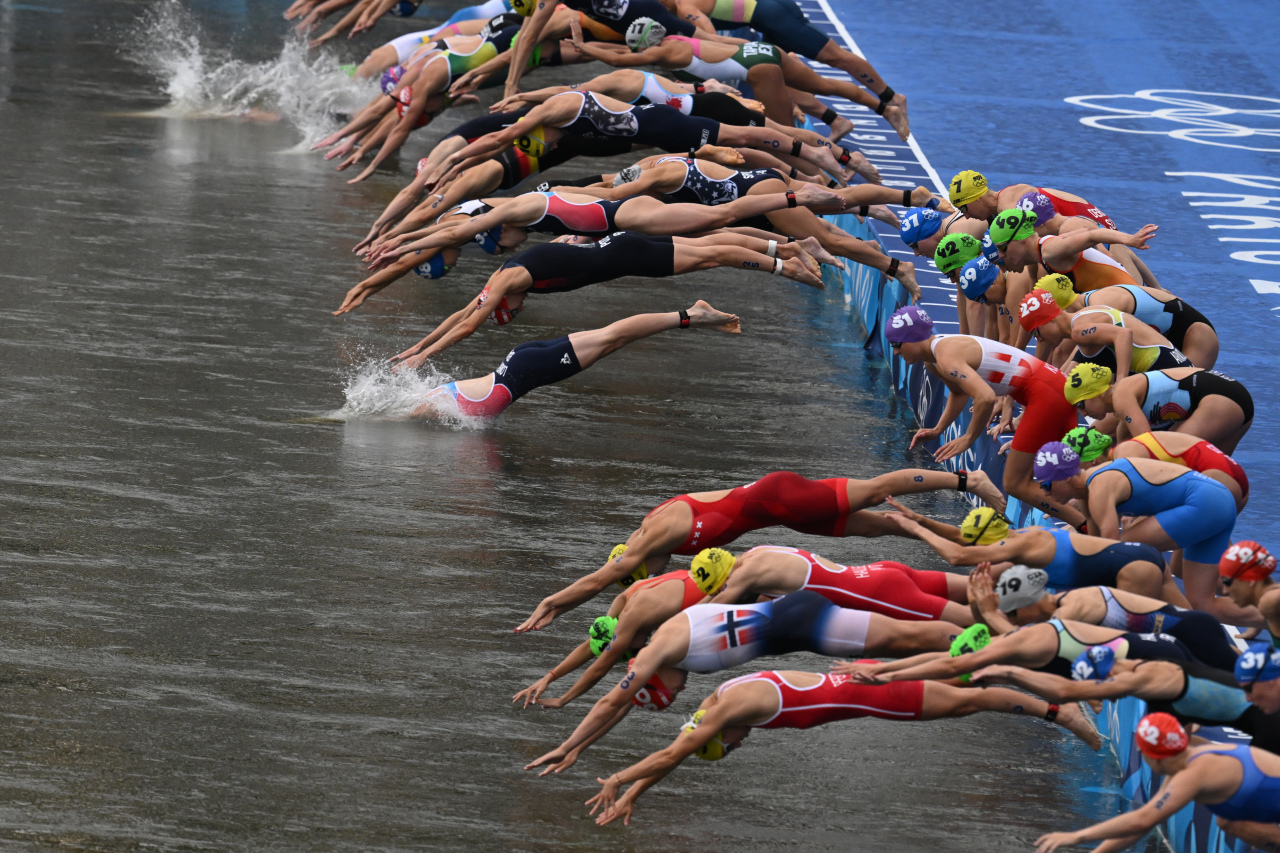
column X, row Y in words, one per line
column 1036, row 309
column 1061, row 288
column 908, row 325
column 638, row 574
column 956, row 250
column 435, row 267
column 967, row 186
column 643, row 33
column 601, row 633
column 710, row 569
column 976, row 277
column 1020, row 586
column 1160, row 735
column 1246, row 560
column 654, row 696
column 919, row 223
column 1014, row 224
column 984, row 526
column 1094, row 664
column 1088, row 442
column 1056, row 461
column 1039, row 204
column 1086, row 381
column 524, row 8
column 627, row 175
column 971, row 639
column 1258, row 663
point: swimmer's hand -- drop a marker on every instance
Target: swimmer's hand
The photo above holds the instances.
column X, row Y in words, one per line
column 606, row 800
column 1139, row 240
column 575, row 32
column 555, row 761
column 555, row 702
column 907, row 524
column 954, row 447
column 1249, row 633
column 531, row 693
column 541, row 617
column 508, row 105
column 467, row 83
column 928, row 434
column 982, row 591
column 623, row 809
column 998, row 674
column 1057, row 841
column 714, row 85
column 863, row 673
column 904, row 510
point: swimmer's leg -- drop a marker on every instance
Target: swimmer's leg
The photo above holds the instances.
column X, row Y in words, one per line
column 690, row 258
column 1201, row 345
column 811, row 106
column 900, row 638
column 1146, row 578
column 867, row 493
column 943, row 700
column 595, row 344
column 378, row 60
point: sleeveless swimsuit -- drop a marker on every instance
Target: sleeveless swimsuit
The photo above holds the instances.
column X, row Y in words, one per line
column 1258, row 797
column 1071, row 569
column 647, row 125
column 734, row 68
column 835, row 698
column 1127, row 646
column 700, row 188
column 561, row 267
column 1066, row 207
column 1168, row 400
column 1202, row 456
column 1092, row 270
column 1144, row 357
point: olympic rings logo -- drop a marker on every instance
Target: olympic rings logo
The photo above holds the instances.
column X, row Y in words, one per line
column 1202, row 121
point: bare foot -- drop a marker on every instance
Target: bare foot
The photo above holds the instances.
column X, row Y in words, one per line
column 907, row 278
column 717, row 86
column 839, row 129
column 884, row 214
column 702, row 314
column 897, row 117
column 922, row 196
column 809, row 263
column 1071, row 718
column 820, row 199
column 864, row 167
column 899, row 100
column 826, row 161
column 812, row 246
column 980, row 486
column 1096, row 705
column 729, row 157
column 794, row 269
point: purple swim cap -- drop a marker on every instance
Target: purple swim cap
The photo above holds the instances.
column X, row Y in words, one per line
column 391, row 79
column 1039, row 204
column 1056, row 461
column 908, row 325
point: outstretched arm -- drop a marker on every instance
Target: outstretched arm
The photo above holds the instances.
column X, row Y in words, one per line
column 1176, row 792
column 1075, row 242
column 530, row 35
column 571, row 662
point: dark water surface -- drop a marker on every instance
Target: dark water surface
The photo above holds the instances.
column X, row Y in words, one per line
column 228, row 628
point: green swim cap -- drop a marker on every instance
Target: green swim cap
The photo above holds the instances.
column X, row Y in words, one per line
column 601, row 633
column 1012, row 224
column 956, row 250
column 1087, row 442
column 971, row 639
column 349, row 70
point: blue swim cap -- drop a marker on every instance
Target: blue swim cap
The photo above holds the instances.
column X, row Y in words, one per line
column 1257, row 663
column 391, row 79
column 434, row 268
column 403, row 9
column 1094, row 663
column 919, row 223
column 488, row 240
column 976, row 277
column 989, row 249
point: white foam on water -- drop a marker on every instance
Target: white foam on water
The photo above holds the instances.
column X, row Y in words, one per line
column 307, row 88
column 376, row 390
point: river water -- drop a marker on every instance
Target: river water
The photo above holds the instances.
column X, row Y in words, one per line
column 235, row 619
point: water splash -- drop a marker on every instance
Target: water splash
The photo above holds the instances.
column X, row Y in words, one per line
column 307, row 88
column 375, row 390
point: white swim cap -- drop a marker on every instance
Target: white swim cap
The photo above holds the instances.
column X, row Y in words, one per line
column 645, row 32
column 1020, row 586
column 627, row 175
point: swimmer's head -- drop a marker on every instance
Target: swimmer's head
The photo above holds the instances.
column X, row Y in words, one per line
column 656, row 695
column 1094, row 664
column 1246, row 560
column 1258, row 672
column 1088, row 442
column 1055, row 461
column 533, row 143
column 989, row 250
column 1020, row 586
column 971, row 639
column 714, row 749
column 501, row 22
column 968, row 186
column 435, row 267
column 919, row 223
column 601, row 634
column 523, row 8
column 976, row 277
column 1013, row 224
column 956, row 250
column 1038, row 203
column 1036, row 309
column 1160, row 735
column 908, row 325
column 391, row 79
column 627, row 175
column 711, row 568
column 488, row 240
column 644, row 33
column 1061, row 288
column 1086, row 381
column 984, row 526
column 638, row 574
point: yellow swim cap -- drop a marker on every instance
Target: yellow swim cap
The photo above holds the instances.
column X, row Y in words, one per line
column 714, row 749
column 710, row 569
column 967, row 186
column 1086, row 381
column 1059, row 287
column 533, row 143
column 522, row 7
column 984, row 526
column 640, row 573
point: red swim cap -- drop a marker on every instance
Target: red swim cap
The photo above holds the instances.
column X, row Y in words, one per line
column 1037, row 308
column 1160, row 735
column 1246, row 560
column 654, row 696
